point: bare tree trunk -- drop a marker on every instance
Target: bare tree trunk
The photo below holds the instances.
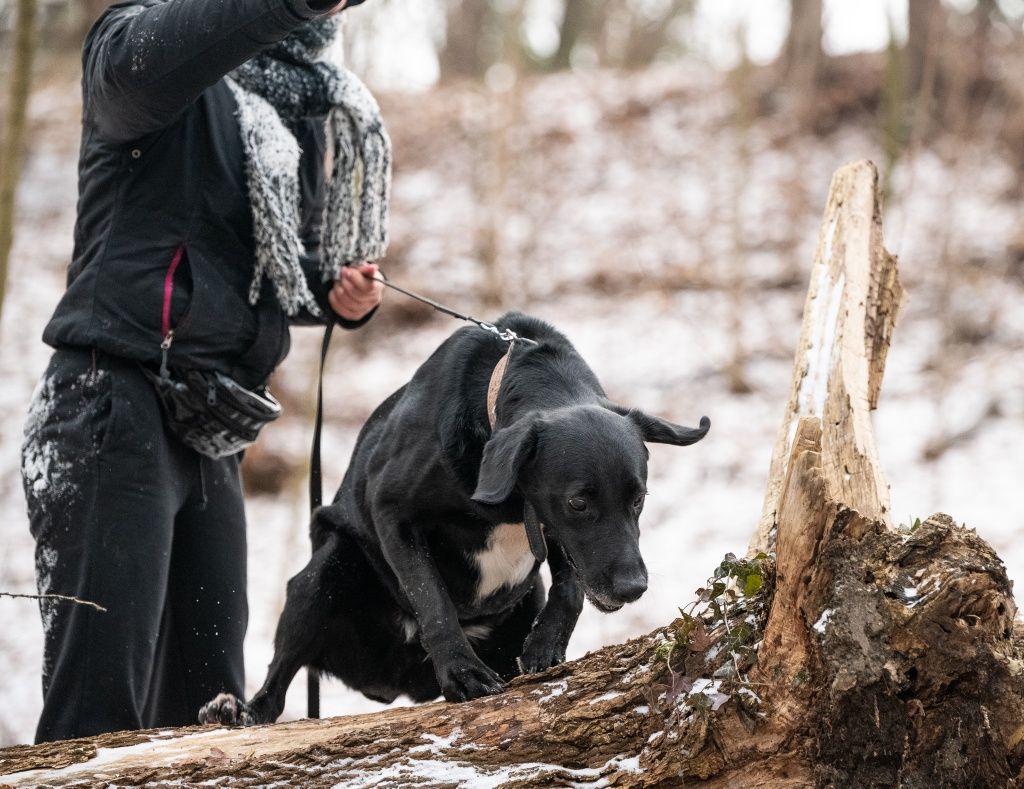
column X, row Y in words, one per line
column 575, row 20
column 14, row 130
column 802, row 54
column 743, row 114
column 504, row 105
column 648, row 38
column 803, row 60
column 859, row 656
column 924, row 22
column 470, row 43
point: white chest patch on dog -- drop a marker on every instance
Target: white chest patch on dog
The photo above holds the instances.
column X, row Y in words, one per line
column 409, row 627
column 476, row 632
column 506, row 561
column 411, row 630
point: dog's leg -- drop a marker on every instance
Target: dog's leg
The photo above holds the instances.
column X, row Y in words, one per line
column 297, row 642
column 549, row 639
column 502, row 647
column 460, row 673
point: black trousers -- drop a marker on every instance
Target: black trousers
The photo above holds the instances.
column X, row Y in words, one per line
column 127, row 517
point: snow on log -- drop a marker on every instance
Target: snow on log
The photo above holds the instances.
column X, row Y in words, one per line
column 848, row 654
column 578, row 723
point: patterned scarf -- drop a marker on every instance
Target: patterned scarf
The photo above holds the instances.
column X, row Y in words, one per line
column 275, row 91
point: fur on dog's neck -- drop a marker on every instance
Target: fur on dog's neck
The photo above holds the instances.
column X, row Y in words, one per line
column 539, row 378
column 508, row 382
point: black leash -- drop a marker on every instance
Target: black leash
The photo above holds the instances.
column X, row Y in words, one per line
column 316, row 498
column 503, row 334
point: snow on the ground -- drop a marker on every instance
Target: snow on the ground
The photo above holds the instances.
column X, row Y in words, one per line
column 626, row 204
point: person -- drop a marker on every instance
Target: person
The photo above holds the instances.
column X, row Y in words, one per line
column 201, row 236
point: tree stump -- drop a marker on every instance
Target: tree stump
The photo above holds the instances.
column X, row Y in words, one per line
column 842, row 652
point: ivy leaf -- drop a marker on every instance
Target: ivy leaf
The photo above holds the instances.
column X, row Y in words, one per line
column 700, row 638
column 680, row 684
column 752, row 584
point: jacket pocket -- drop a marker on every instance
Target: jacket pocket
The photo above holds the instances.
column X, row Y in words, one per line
column 177, row 292
column 219, row 323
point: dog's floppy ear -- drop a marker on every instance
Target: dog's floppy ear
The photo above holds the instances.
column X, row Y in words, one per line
column 504, row 456
column 656, row 430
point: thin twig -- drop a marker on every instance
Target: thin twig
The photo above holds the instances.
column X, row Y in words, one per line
column 728, row 632
column 54, row 597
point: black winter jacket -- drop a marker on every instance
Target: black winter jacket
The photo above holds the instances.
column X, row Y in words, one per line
column 164, row 236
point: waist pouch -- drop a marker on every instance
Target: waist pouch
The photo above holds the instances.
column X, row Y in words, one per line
column 210, row 412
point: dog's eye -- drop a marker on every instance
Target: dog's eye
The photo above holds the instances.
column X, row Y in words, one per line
column 638, row 502
column 577, row 503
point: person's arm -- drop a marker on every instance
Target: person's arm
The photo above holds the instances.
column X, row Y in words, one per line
column 350, row 301
column 145, row 61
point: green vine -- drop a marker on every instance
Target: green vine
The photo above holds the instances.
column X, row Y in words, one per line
column 717, row 637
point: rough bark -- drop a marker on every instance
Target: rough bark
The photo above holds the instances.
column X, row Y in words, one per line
column 849, row 316
column 857, row 655
column 545, row 731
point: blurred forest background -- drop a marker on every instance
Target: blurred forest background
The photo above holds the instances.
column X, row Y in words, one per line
column 943, row 72
column 648, row 175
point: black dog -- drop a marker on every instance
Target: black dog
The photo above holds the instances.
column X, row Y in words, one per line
column 424, row 579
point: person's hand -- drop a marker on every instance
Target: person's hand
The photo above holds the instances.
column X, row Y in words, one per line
column 355, row 293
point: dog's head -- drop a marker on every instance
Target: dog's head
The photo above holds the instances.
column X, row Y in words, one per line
column 584, row 470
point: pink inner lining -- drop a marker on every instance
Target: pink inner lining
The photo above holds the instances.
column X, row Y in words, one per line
column 165, row 324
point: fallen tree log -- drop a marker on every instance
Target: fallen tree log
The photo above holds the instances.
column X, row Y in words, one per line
column 841, row 652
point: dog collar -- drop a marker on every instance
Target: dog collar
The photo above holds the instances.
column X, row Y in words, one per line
column 495, row 385
column 534, row 528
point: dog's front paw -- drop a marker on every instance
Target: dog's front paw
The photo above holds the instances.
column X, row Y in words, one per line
column 467, row 679
column 541, row 652
column 226, row 709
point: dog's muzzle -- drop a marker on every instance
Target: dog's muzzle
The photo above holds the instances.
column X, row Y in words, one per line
column 625, row 589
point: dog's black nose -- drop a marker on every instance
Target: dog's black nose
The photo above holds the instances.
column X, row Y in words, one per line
column 629, row 587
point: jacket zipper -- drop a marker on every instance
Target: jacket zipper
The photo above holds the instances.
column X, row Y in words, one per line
column 165, row 319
